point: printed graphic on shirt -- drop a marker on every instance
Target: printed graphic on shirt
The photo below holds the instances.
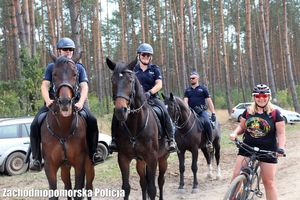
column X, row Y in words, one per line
column 257, row 127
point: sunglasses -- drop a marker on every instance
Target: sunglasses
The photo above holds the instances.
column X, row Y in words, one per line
column 68, row 49
column 257, row 96
column 146, row 54
column 192, row 78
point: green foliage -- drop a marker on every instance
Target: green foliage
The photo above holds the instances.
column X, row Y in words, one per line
column 22, row 97
column 99, row 108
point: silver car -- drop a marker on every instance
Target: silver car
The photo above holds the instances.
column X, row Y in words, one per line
column 14, row 143
column 290, row 117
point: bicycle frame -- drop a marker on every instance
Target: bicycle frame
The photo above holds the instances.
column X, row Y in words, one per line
column 246, row 185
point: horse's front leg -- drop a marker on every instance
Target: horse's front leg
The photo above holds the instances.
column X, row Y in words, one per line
column 195, row 169
column 89, row 174
column 79, row 178
column 124, row 167
column 66, row 178
column 181, row 155
column 51, row 171
column 150, row 173
column 208, row 161
column 163, row 165
column 141, row 169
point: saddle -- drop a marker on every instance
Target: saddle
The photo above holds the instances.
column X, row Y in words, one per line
column 160, row 119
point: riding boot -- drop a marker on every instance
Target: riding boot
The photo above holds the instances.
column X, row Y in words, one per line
column 36, row 164
column 170, row 130
column 208, row 131
column 92, row 137
column 113, row 145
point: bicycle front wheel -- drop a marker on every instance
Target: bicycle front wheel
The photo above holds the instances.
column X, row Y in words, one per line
column 236, row 188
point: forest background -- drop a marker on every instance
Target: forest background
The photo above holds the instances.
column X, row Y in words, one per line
column 233, row 44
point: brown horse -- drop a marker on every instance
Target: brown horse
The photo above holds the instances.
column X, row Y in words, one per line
column 190, row 136
column 137, row 132
column 63, row 133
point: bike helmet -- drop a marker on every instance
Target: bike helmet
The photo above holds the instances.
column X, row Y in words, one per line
column 64, row 43
column 145, row 48
column 261, row 89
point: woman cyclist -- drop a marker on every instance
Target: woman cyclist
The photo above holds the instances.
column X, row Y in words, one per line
column 262, row 126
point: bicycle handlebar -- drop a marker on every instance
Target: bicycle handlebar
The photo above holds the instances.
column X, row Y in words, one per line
column 255, row 150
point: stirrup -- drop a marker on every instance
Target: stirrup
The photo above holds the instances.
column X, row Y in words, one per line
column 97, row 159
column 36, row 166
column 113, row 147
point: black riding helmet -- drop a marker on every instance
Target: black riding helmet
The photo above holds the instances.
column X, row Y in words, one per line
column 65, row 43
column 145, row 48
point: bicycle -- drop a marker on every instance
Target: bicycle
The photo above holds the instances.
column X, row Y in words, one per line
column 246, row 186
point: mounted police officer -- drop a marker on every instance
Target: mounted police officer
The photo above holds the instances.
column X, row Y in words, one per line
column 197, row 97
column 150, row 78
column 65, row 47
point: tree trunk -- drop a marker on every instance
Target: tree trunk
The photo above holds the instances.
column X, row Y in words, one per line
column 249, row 43
column 32, row 28
column 122, row 8
column 288, row 59
column 192, row 35
column 204, row 77
column 51, row 24
column 267, row 51
column 239, row 57
column 74, row 8
column 224, row 59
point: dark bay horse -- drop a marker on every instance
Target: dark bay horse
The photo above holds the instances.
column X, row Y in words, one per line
column 63, row 133
column 137, row 132
column 190, row 136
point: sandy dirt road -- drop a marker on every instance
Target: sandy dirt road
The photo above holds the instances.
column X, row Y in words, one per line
column 288, row 178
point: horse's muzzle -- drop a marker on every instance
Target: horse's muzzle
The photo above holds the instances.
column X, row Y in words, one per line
column 121, row 114
column 65, row 106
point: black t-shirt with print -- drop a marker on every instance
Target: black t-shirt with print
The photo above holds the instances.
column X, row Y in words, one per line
column 261, row 132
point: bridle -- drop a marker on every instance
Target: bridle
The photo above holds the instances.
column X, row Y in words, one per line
column 178, row 116
column 130, row 98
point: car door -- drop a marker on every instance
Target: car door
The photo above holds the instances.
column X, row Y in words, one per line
column 11, row 140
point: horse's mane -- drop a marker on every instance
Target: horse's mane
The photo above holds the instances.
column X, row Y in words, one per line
column 180, row 102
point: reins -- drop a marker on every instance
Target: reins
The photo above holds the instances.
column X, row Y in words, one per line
column 133, row 138
column 185, row 123
column 63, row 140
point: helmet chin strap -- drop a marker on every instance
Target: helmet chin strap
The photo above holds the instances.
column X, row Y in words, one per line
column 143, row 62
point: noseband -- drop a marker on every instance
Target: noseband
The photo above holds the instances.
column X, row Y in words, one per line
column 178, row 115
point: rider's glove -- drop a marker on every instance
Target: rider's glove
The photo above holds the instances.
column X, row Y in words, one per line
column 148, row 95
column 280, row 151
column 213, row 117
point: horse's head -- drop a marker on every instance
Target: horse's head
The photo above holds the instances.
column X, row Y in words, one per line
column 123, row 87
column 172, row 106
column 65, row 86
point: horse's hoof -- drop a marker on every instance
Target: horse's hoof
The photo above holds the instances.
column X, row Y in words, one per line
column 209, row 176
column 195, row 190
column 180, row 191
column 218, row 177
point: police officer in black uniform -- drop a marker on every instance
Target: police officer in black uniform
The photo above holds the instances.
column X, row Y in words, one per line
column 65, row 47
column 150, row 78
column 197, row 97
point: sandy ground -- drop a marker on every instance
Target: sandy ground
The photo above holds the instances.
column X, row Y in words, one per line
column 288, row 180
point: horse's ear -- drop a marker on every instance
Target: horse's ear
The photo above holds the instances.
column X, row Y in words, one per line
column 163, row 96
column 77, row 57
column 132, row 64
column 52, row 56
column 110, row 64
column 171, row 96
